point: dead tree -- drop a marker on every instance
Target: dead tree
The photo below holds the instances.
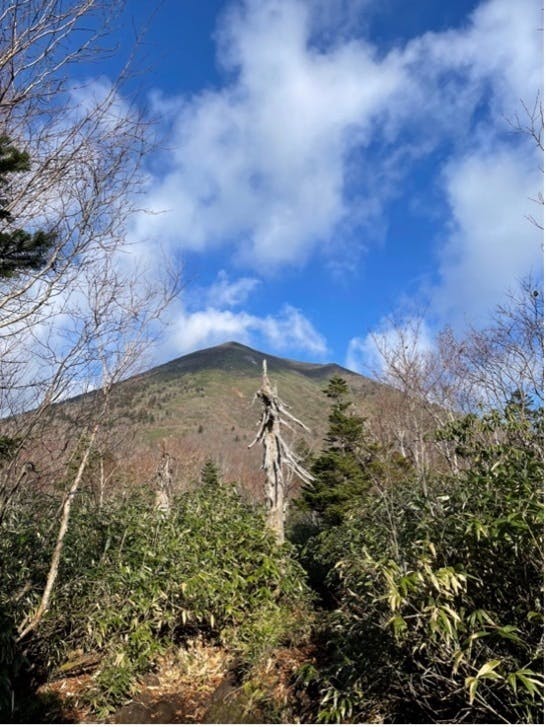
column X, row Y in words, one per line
column 164, row 480
column 277, row 454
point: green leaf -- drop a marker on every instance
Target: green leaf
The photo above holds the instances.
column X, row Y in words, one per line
column 487, row 670
column 510, row 633
column 512, row 681
column 471, row 683
column 398, row 624
column 459, row 657
column 532, row 681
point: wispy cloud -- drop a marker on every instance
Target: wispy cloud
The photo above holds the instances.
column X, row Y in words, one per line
column 408, row 339
column 491, row 244
column 463, row 88
column 228, row 293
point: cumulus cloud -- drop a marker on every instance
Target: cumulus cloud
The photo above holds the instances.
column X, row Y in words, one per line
column 229, row 293
column 495, row 57
column 260, row 164
column 491, row 244
column 263, row 164
column 287, row 330
column 296, row 153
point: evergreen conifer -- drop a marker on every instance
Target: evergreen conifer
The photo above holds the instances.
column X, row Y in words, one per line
column 210, row 475
column 19, row 250
column 345, row 467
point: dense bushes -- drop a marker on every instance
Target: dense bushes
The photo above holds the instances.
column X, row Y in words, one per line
column 436, row 586
column 134, row 581
column 430, row 585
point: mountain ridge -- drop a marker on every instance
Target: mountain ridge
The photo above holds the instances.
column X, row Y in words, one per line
column 211, row 357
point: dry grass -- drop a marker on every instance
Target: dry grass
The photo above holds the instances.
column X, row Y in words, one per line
column 184, row 685
column 180, row 688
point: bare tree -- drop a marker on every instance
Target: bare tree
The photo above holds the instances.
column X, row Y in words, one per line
column 85, row 143
column 278, row 455
column 164, row 482
column 433, row 381
column 421, row 393
column 506, row 356
column 84, row 318
column 530, row 123
column 107, row 328
column 111, row 346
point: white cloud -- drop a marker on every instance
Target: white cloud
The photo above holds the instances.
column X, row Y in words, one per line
column 260, row 164
column 406, row 340
column 291, row 329
column 286, row 331
column 493, row 61
column 491, row 180
column 492, row 244
column 265, row 165
column 362, row 356
column 226, row 293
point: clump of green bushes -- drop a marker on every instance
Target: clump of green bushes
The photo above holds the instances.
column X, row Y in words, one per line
column 134, row 580
column 429, row 585
column 433, row 584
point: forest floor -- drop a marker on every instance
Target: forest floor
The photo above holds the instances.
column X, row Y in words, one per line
column 195, row 684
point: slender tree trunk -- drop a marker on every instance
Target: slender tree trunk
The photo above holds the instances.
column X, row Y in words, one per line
column 56, row 557
column 101, row 484
column 164, row 481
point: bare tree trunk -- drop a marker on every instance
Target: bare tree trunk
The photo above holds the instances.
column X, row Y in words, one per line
column 277, row 454
column 164, row 481
column 101, row 484
column 56, row 557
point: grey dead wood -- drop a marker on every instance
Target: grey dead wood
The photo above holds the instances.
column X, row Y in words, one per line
column 164, row 483
column 278, row 457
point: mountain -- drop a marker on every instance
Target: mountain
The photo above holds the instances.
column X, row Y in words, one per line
column 201, row 405
column 233, row 356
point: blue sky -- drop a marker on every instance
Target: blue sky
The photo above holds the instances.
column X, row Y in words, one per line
column 329, row 164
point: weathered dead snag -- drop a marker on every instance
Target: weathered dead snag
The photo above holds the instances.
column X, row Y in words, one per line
column 164, row 483
column 278, row 455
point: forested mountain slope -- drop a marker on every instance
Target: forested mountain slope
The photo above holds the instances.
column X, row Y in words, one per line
column 201, row 405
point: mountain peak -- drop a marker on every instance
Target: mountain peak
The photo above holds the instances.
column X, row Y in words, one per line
column 200, row 405
column 237, row 357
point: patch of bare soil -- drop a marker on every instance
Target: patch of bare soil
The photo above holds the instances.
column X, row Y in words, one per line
column 66, row 691
column 178, row 691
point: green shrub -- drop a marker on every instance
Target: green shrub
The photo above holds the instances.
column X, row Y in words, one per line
column 132, row 581
column 437, row 588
